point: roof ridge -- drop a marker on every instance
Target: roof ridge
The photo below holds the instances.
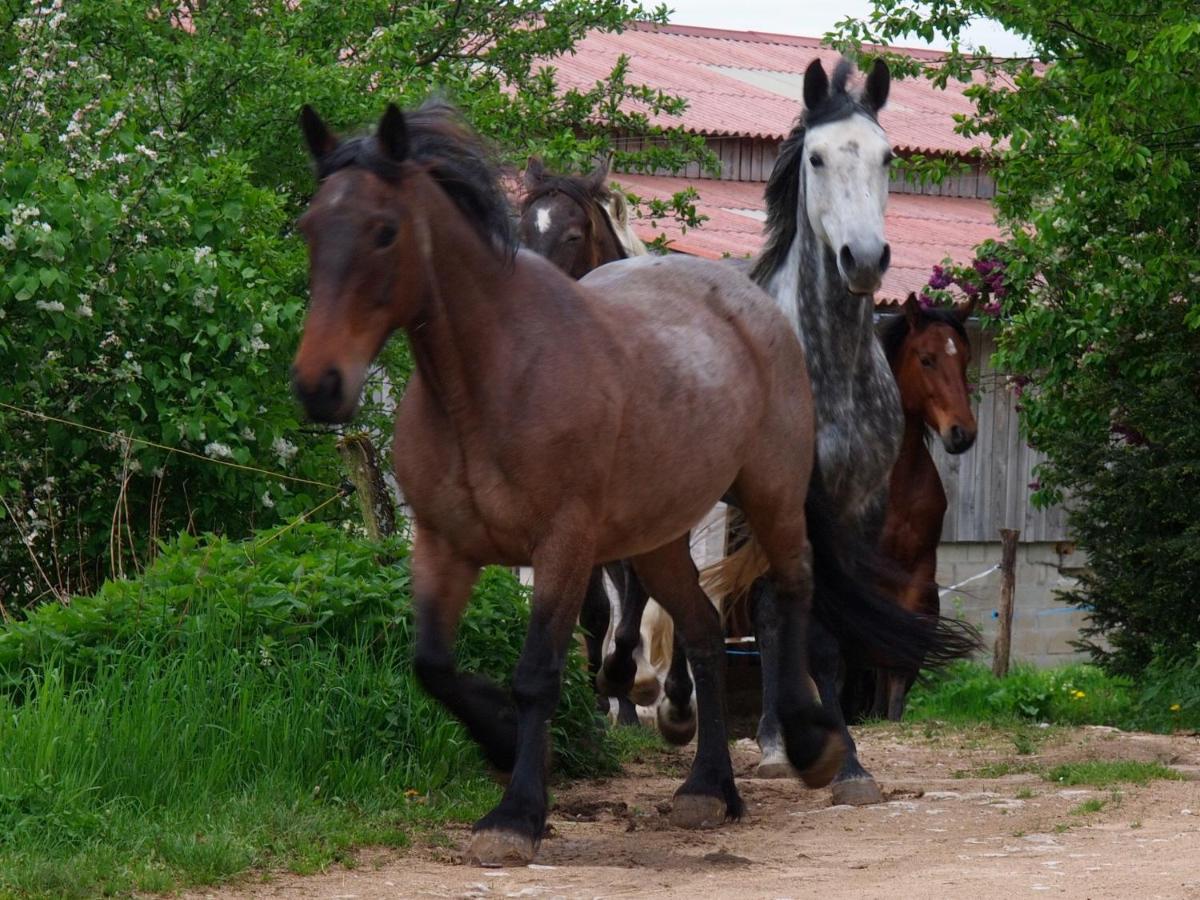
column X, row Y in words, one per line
column 768, row 37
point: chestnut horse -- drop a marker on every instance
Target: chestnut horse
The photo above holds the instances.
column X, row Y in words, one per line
column 928, row 352
column 560, row 424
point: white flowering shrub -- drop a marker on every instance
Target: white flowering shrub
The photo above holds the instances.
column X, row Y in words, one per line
column 151, row 282
column 147, row 288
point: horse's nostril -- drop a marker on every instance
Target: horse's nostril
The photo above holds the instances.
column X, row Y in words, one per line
column 885, row 258
column 330, row 385
column 957, row 435
column 846, row 258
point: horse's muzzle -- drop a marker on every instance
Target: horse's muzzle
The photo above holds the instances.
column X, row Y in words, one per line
column 958, row 439
column 325, row 399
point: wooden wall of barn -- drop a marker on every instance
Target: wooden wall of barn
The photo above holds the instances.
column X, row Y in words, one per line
column 987, row 488
column 751, row 159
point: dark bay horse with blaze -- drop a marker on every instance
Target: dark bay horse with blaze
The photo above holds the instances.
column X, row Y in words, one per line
column 928, row 352
column 556, row 423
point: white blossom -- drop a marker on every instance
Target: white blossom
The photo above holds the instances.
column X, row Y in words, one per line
column 217, row 450
column 50, row 305
column 284, row 450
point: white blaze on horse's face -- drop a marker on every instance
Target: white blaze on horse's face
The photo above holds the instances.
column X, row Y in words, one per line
column 846, row 187
column 543, row 220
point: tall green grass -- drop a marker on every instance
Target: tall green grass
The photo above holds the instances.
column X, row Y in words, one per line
column 236, row 708
column 1167, row 699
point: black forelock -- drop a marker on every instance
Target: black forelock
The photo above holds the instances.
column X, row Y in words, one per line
column 443, row 145
column 891, row 338
column 574, row 186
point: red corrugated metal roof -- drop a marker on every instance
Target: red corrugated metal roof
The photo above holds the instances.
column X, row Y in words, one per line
column 922, row 230
column 686, row 61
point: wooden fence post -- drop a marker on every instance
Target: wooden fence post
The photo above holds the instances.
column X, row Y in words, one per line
column 362, row 464
column 1008, row 583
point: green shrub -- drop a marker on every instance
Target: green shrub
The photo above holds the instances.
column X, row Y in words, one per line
column 1167, row 698
column 231, row 684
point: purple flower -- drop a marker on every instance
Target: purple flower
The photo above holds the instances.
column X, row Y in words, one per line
column 984, row 266
column 968, row 287
column 992, row 308
column 925, row 300
column 940, row 279
column 1035, row 485
column 999, row 291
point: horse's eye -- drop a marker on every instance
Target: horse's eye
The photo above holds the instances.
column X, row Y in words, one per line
column 816, row 160
column 385, row 235
column 927, row 362
column 888, row 157
column 573, row 237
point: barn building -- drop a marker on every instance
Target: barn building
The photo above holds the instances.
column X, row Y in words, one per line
column 745, row 92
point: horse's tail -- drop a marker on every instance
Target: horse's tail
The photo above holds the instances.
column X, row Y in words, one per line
column 849, row 596
column 728, row 580
column 851, row 578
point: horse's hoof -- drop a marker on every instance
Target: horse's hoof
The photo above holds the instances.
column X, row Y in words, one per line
column 675, row 730
column 857, row 792
column 645, row 693
column 609, row 687
column 494, row 849
column 775, row 765
column 827, row 765
column 697, row 811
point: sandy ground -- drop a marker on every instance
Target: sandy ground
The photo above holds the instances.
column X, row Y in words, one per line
column 944, row 832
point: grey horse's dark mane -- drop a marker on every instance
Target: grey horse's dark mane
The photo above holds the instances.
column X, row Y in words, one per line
column 783, row 187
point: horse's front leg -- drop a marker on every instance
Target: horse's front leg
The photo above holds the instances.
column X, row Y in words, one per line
column 442, row 582
column 510, row 833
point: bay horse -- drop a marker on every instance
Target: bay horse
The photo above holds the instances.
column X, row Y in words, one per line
column 929, row 353
column 580, row 223
column 559, row 424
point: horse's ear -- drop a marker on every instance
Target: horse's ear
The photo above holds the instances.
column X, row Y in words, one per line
column 535, row 172
column 597, row 179
column 392, row 133
column 816, row 85
column 912, row 311
column 321, row 141
column 964, row 312
column 878, row 83
column 620, row 207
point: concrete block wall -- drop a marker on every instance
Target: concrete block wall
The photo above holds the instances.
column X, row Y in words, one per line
column 1043, row 627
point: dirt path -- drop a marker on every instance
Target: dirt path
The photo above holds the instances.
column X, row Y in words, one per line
column 948, row 830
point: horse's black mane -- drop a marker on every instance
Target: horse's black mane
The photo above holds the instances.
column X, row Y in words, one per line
column 574, row 186
column 783, row 187
column 461, row 162
column 894, row 332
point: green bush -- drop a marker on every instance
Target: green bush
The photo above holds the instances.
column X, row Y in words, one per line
column 1166, row 698
column 233, row 683
column 151, row 280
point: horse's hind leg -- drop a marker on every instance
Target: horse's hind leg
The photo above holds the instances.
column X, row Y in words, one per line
column 774, row 505
column 765, row 614
column 510, row 833
column 709, row 795
column 853, row 785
